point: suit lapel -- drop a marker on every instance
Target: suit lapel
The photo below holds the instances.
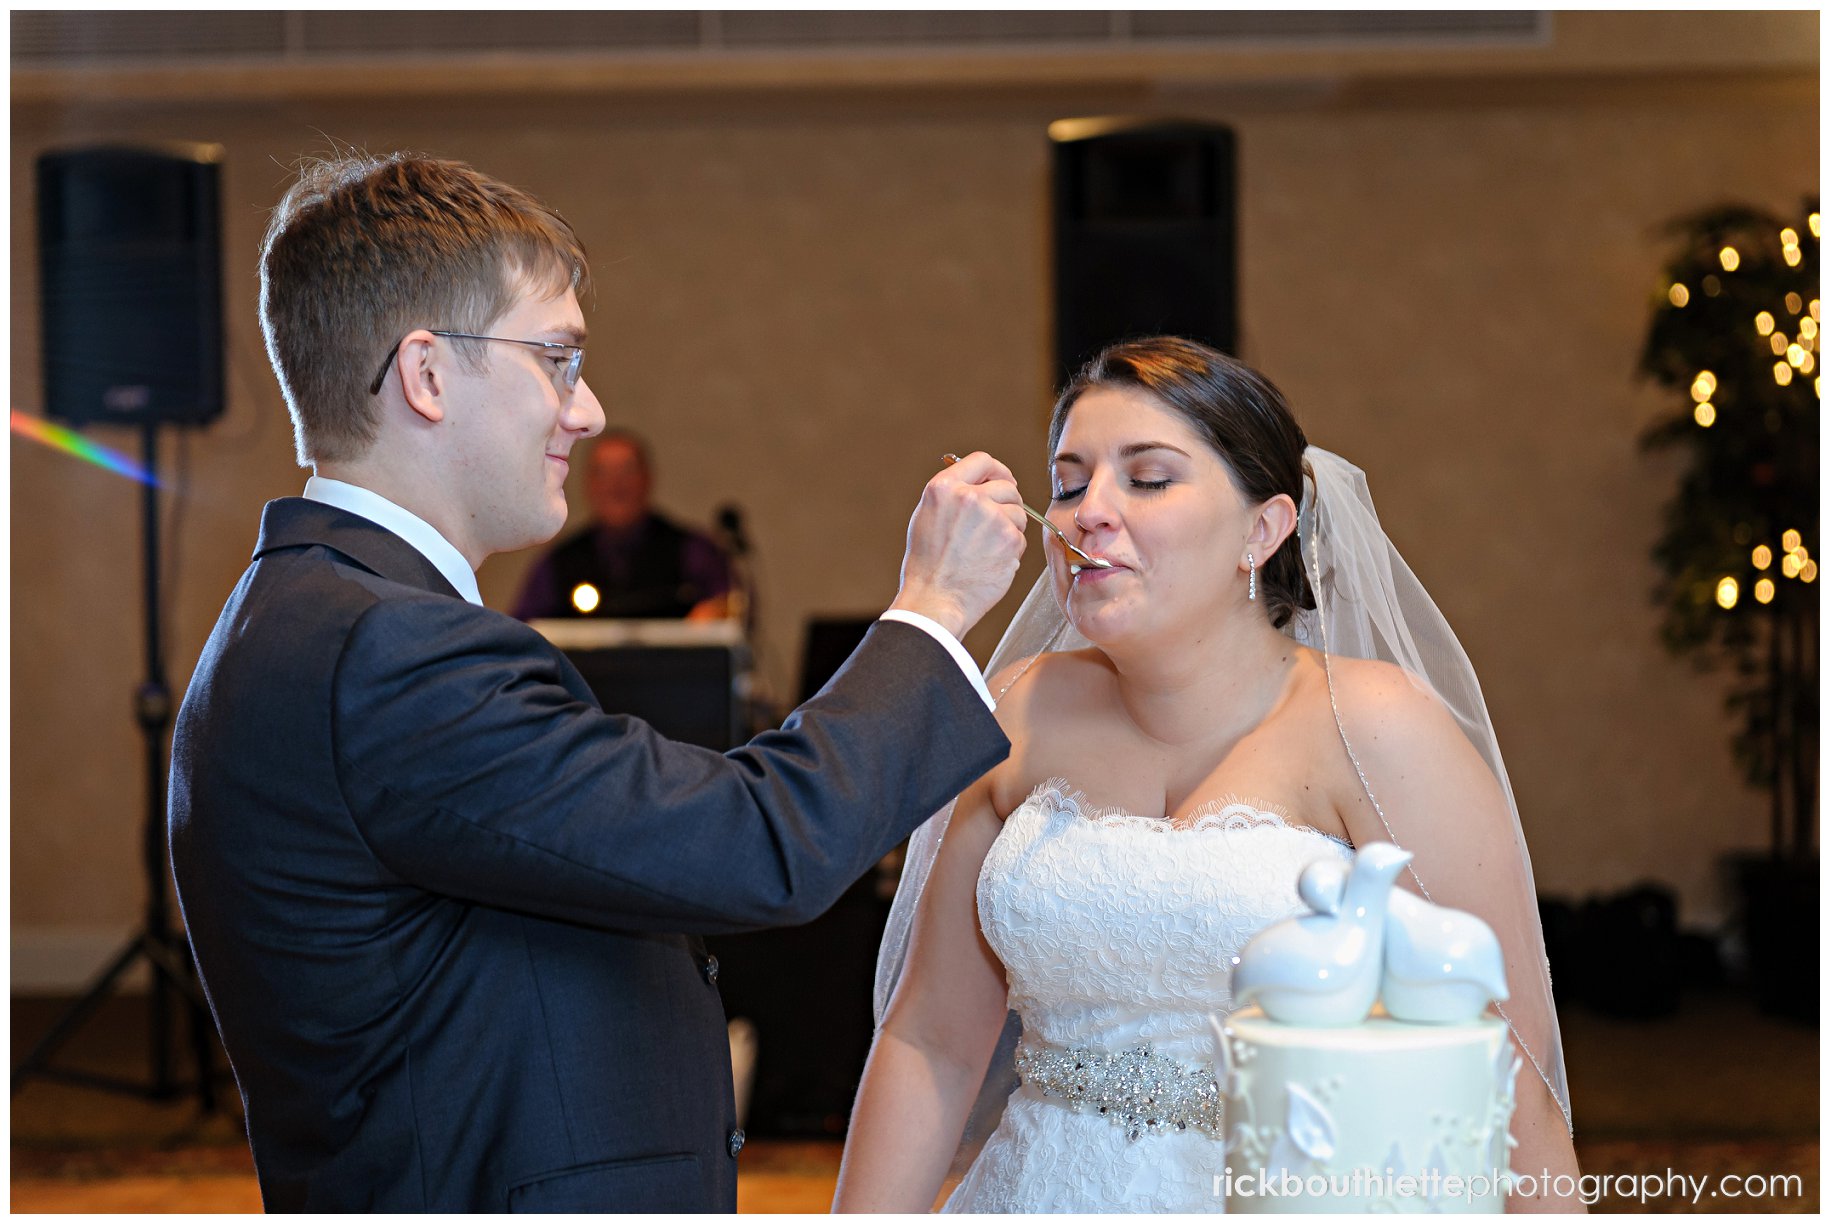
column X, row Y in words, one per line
column 299, row 522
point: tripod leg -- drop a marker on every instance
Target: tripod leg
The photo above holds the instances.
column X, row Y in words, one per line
column 73, row 1019
column 171, row 960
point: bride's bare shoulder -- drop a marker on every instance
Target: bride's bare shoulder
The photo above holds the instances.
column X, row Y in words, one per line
column 1398, row 707
column 1031, row 692
column 1044, row 708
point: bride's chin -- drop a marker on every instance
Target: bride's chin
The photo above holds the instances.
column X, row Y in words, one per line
column 1101, row 626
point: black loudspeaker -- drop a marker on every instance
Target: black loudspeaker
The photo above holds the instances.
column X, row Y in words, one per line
column 1145, row 236
column 131, row 285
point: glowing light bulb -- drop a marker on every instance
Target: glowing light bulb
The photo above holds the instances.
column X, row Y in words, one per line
column 585, row 598
column 1814, row 313
column 1794, row 303
column 1678, row 295
column 1807, row 327
column 1763, row 323
column 1779, row 343
column 1706, row 414
column 1788, row 237
column 1728, row 592
column 1790, row 541
column 1792, row 256
column 1763, row 557
column 1809, row 572
column 1763, row 590
column 1782, row 373
column 1730, row 257
column 1808, row 364
column 1789, row 565
column 1703, row 387
column 1795, row 356
column 1813, row 223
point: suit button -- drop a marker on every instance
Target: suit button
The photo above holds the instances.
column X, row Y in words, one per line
column 709, row 967
column 736, row 1143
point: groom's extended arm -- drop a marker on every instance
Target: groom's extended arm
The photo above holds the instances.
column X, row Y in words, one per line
column 472, row 772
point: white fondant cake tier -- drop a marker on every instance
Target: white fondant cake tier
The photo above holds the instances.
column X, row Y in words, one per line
column 1379, row 1116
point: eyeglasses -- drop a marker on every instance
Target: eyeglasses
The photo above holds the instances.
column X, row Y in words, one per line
column 567, row 369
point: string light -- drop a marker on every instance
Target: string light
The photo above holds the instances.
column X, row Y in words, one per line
column 1782, row 373
column 1791, row 541
column 1792, row 256
column 1678, row 295
column 1728, row 593
column 1809, row 572
column 1794, row 303
column 1795, row 356
column 1763, row 323
column 585, row 598
column 1763, row 557
column 1730, row 257
column 1813, row 222
column 1706, row 414
column 1808, row 364
column 1807, row 327
column 1814, row 313
column 1779, row 343
column 1788, row 237
column 1703, row 387
column 1763, row 590
column 1789, row 565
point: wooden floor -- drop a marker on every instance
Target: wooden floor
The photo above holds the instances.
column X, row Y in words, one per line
column 1717, row 1089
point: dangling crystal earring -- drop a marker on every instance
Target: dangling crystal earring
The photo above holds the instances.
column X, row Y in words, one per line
column 1251, row 589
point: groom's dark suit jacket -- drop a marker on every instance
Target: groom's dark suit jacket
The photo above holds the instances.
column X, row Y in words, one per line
column 446, row 909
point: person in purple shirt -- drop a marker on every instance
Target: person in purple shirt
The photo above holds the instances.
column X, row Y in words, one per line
column 635, row 561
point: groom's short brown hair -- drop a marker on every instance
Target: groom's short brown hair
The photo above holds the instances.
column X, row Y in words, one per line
column 362, row 250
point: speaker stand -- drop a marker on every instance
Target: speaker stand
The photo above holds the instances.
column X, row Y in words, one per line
column 176, row 990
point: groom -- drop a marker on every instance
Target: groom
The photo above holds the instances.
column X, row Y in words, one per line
column 446, row 909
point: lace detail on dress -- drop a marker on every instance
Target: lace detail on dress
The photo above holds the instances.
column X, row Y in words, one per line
column 1113, row 941
column 1229, row 811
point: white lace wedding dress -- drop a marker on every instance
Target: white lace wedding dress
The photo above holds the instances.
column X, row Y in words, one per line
column 1118, row 932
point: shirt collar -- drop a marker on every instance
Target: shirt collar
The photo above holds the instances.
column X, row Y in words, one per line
column 403, row 523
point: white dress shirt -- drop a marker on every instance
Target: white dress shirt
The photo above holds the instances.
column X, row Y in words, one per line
column 450, row 562
column 403, row 523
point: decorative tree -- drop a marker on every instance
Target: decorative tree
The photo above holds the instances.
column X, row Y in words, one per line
column 1737, row 329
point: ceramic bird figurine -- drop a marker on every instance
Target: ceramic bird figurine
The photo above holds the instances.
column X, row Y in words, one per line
column 1323, row 968
column 1441, row 965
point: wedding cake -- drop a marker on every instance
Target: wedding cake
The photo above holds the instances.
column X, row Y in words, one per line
column 1333, row 1103
column 1382, row 1116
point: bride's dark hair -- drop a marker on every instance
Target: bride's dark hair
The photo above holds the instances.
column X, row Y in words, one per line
column 1242, row 416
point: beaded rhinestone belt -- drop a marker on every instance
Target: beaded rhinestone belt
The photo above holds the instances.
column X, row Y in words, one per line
column 1141, row 1091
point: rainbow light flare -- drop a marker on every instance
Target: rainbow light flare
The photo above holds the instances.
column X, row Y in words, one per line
column 60, row 438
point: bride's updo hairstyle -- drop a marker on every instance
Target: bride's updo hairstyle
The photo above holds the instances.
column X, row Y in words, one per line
column 1242, row 416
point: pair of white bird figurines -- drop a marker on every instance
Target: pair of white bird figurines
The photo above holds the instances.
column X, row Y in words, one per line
column 1364, row 939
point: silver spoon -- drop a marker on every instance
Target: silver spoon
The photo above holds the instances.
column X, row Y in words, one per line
column 1090, row 562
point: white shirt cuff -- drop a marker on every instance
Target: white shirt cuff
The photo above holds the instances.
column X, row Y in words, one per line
column 939, row 633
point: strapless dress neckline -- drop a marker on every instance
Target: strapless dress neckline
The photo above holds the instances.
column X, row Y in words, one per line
column 1231, row 812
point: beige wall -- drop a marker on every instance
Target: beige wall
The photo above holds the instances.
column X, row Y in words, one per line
column 804, row 298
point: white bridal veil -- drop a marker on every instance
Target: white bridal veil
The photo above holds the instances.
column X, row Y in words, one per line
column 1369, row 605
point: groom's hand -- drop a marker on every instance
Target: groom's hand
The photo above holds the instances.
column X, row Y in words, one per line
column 965, row 541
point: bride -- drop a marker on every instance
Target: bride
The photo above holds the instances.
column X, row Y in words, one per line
column 1258, row 681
